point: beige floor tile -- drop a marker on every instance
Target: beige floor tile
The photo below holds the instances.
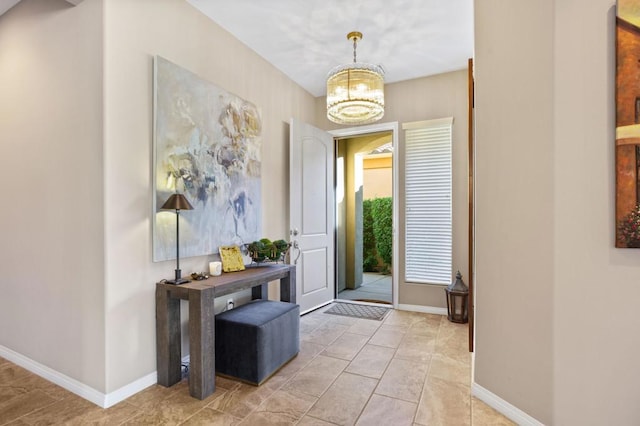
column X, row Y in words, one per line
column 177, row 407
column 8, row 392
column 310, row 322
column 402, row 318
column 68, row 411
column 449, row 369
column 458, row 352
column 33, row 382
column 426, row 325
column 114, row 415
column 381, row 410
column 417, row 381
column 281, row 408
column 11, row 374
column 308, row 351
column 371, row 361
column 343, row 402
column 444, row 403
column 225, row 383
column 151, row 396
column 312, row 421
column 388, row 336
column 150, row 419
column 453, row 341
column 403, row 380
column 241, row 401
column 325, row 334
column 416, row 347
column 317, row 376
column 210, row 417
column 24, row 404
column 365, row 327
column 346, row 346
column 483, row 415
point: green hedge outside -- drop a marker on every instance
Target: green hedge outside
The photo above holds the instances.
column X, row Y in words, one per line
column 377, row 244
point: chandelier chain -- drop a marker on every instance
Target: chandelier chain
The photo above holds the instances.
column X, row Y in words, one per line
column 355, row 43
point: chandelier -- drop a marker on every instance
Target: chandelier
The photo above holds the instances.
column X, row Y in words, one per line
column 355, row 92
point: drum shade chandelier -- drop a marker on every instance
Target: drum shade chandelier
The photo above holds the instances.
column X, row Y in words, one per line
column 355, row 92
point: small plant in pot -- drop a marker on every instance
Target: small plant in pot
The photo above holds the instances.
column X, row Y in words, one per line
column 265, row 250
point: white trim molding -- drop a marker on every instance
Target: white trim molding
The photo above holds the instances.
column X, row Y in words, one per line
column 503, row 407
column 423, row 309
column 72, row 385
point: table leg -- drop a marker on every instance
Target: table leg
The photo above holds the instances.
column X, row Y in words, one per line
column 202, row 365
column 168, row 338
column 288, row 286
column 260, row 292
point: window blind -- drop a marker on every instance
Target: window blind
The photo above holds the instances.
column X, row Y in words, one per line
column 428, row 188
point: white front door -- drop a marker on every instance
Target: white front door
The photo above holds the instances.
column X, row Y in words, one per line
column 311, row 214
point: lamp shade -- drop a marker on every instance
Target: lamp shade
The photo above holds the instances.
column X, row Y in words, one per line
column 177, row 202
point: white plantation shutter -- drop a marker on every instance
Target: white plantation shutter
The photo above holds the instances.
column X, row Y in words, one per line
column 428, row 187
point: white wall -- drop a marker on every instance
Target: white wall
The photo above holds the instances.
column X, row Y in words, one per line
column 557, row 323
column 51, row 257
column 135, row 32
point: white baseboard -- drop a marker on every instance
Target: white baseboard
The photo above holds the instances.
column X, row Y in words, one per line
column 66, row 382
column 128, row 390
column 80, row 389
column 503, row 407
column 423, row 309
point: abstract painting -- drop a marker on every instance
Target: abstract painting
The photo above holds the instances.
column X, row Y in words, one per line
column 628, row 123
column 207, row 146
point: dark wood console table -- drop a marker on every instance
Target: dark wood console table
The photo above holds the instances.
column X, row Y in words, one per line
column 201, row 295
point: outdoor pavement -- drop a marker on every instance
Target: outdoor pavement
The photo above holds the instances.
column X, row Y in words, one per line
column 375, row 287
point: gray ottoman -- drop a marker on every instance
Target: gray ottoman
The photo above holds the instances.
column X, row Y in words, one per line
column 254, row 340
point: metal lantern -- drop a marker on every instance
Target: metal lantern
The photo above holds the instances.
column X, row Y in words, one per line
column 458, row 300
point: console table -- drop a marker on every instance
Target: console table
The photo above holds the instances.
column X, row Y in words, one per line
column 201, row 295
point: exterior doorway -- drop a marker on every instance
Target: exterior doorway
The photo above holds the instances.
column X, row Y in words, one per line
column 364, row 218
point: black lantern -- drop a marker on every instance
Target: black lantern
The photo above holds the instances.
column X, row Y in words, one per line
column 457, row 300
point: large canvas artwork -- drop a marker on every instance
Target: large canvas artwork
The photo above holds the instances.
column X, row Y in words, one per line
column 207, row 146
column 628, row 123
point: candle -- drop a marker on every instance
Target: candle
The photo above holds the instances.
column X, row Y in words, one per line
column 215, row 268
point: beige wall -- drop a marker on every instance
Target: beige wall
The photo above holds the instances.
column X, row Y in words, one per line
column 377, row 177
column 515, row 203
column 52, row 305
column 557, row 323
column 175, row 30
column 78, row 168
column 439, row 96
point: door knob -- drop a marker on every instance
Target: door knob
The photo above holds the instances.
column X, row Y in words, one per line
column 296, row 246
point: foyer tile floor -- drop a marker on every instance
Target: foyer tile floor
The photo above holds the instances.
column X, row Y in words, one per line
column 410, row 369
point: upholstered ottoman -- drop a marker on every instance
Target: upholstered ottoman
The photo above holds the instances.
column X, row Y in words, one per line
column 254, row 340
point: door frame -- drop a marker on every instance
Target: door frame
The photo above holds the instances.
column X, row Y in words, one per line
column 378, row 128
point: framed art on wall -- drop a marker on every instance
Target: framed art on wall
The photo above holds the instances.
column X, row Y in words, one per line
column 207, row 145
column 628, row 123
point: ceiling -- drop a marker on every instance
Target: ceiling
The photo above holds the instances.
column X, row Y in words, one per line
column 306, row 38
column 6, row 5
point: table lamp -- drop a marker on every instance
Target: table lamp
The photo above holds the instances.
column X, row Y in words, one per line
column 177, row 202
